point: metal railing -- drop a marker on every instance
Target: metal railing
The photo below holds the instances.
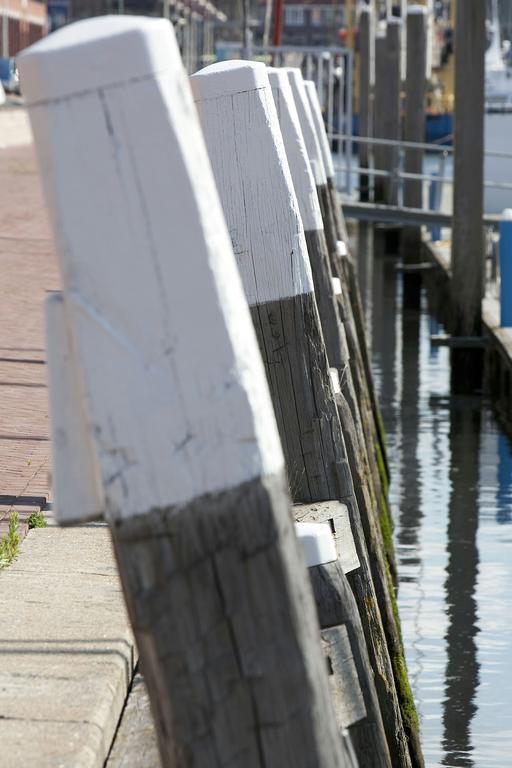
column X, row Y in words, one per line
column 399, row 175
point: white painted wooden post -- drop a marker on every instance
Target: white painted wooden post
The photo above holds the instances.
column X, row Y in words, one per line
column 314, row 149
column 245, row 145
column 371, row 730
column 364, row 409
column 318, row 122
column 344, row 268
column 296, row 152
column 308, row 127
column 177, row 408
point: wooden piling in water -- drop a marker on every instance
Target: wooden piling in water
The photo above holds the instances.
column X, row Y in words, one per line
column 346, row 347
column 468, row 261
column 366, row 86
column 388, row 83
column 368, row 497
column 379, row 538
column 178, row 410
column 414, row 131
column 338, row 616
column 240, row 123
column 350, row 307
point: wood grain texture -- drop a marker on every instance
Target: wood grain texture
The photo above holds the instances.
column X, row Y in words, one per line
column 367, row 486
column 345, row 688
column 292, row 346
column 336, row 607
column 171, row 397
column 296, row 152
column 362, row 430
column 234, row 670
column 251, row 169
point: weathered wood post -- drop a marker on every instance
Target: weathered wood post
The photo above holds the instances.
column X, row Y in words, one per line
column 246, row 150
column 343, row 637
column 366, row 86
column 349, row 299
column 379, row 107
column 314, row 150
column 467, row 231
column 178, row 410
column 323, row 141
column 333, row 329
column 352, row 368
column 379, row 538
column 414, row 131
column 388, row 82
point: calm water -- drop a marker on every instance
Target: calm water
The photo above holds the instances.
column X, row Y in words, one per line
column 451, row 496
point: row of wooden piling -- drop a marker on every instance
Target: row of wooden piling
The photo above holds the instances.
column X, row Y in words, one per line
column 392, row 107
column 157, row 382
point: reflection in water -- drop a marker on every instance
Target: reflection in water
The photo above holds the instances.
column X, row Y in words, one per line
column 451, row 495
column 504, row 491
column 461, row 677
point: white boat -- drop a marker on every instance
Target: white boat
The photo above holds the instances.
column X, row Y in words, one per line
column 498, row 120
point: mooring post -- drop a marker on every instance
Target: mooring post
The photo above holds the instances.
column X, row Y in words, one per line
column 178, row 409
column 248, row 158
column 467, row 232
column 344, row 640
column 349, row 298
column 315, row 152
column 332, row 189
column 506, row 268
column 325, row 286
column 414, row 131
column 351, row 308
column 379, row 540
column 368, row 497
column 388, row 81
column 366, row 85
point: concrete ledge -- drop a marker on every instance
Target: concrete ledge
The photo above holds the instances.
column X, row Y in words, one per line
column 66, row 649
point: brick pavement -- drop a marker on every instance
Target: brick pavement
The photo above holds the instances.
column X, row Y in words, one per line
column 27, row 272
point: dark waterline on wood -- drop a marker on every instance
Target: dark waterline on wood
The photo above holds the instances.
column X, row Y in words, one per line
column 451, row 493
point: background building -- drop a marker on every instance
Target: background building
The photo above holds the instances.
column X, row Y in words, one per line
column 312, row 22
column 22, row 22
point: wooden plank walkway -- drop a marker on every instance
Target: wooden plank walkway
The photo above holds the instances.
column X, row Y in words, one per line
column 28, row 271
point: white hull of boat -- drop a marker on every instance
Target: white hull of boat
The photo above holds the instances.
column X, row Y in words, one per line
column 498, row 138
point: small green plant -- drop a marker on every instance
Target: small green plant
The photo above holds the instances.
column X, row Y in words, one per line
column 37, row 520
column 10, row 543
